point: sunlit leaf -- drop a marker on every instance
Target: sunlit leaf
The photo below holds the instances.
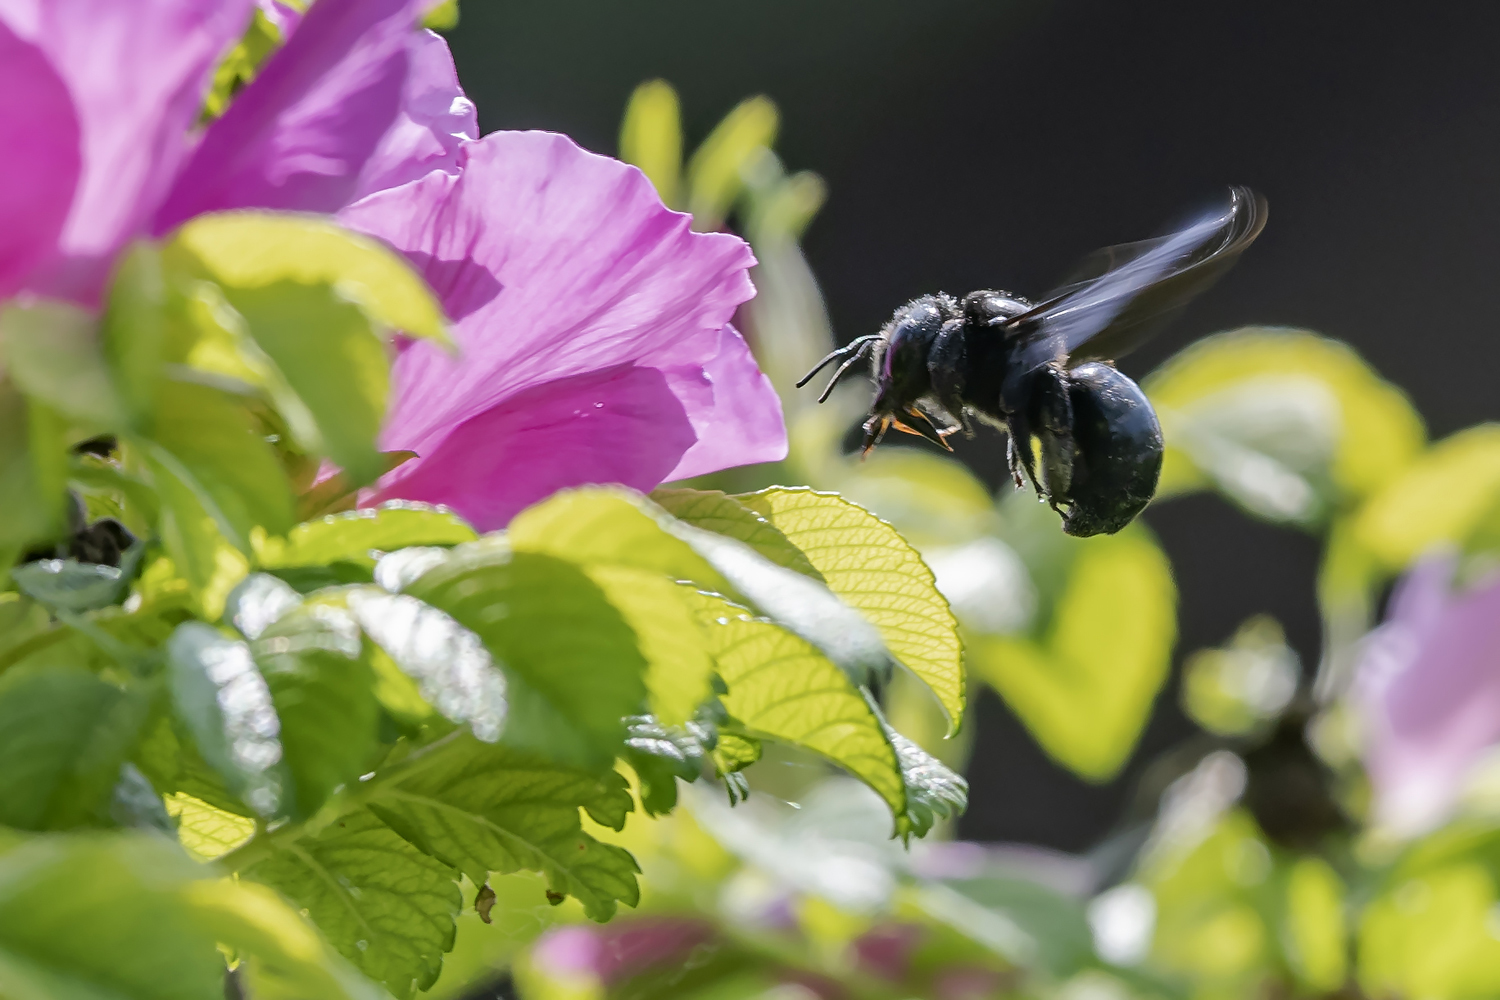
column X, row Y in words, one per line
column 205, row 831
column 1442, row 496
column 714, row 177
column 451, row 667
column 651, row 136
column 594, row 526
column 322, row 690
column 1085, row 685
column 1267, row 376
column 722, row 514
column 256, row 250
column 484, row 808
column 933, row 791
column 782, row 688
column 873, row 569
column 386, row 906
column 572, row 663
column 362, row 536
column 221, row 697
column 1315, row 929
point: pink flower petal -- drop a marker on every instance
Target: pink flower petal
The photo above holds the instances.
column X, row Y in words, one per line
column 283, row 15
column 39, row 133
column 736, row 413
column 137, row 73
column 621, row 425
column 436, row 118
column 555, row 262
column 300, row 134
column 1431, row 695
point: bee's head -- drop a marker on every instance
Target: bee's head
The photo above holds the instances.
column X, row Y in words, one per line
column 898, row 355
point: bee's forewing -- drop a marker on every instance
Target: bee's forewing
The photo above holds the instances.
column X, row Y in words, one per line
column 1121, row 295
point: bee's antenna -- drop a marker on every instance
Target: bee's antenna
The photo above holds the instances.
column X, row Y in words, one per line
column 851, row 353
column 854, row 347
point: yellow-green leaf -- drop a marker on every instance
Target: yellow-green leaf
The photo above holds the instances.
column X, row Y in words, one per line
column 714, row 177
column 781, row 688
column 246, row 250
column 1375, row 432
column 722, row 514
column 362, row 536
column 873, row 569
column 204, row 830
column 651, row 136
column 51, row 350
column 1085, row 687
column 1441, row 497
column 1315, row 925
column 679, row 670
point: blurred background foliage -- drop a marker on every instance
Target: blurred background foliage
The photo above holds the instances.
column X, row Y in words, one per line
column 1244, row 864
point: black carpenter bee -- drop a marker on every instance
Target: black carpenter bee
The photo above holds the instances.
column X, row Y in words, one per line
column 1044, row 371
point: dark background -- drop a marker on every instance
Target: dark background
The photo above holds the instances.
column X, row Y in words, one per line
column 983, row 143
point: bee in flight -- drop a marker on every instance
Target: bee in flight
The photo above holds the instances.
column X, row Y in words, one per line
column 1079, row 431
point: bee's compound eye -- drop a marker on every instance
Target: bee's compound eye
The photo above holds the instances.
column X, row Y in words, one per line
column 1118, row 450
column 913, row 329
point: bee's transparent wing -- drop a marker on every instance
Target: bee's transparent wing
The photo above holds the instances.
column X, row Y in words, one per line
column 1121, row 295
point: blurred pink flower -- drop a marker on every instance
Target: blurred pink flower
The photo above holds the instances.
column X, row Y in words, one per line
column 612, row 955
column 1429, row 689
column 99, row 103
column 593, row 333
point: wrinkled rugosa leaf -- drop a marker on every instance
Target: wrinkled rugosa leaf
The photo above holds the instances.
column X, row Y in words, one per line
column 385, row 905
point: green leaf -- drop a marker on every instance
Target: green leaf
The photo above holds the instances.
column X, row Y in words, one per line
column 102, row 918
column 363, row 536
column 205, row 831
column 1443, row 496
column 256, row 250
column 572, row 664
column 484, row 808
column 660, row 754
column 1315, row 932
column 679, row 671
column 385, row 905
column 322, row 689
column 874, row 570
column 69, row 585
column 1258, row 410
column 782, row 688
column 67, row 733
column 221, row 697
column 91, row 917
column 651, row 136
column 203, row 439
column 714, row 171
column 200, row 554
column 33, row 463
column 453, row 670
column 722, row 514
column 51, row 350
column 933, row 791
column 1084, row 686
column 333, row 375
column 609, row 526
column 612, row 526
column 443, row 16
